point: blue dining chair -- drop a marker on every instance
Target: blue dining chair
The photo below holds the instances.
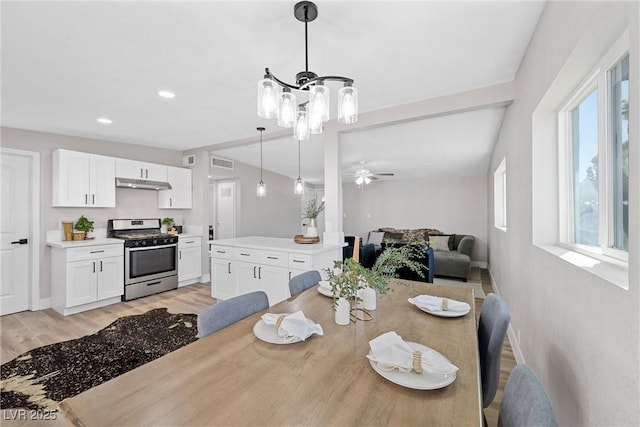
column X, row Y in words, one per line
column 304, row 281
column 492, row 328
column 525, row 402
column 227, row 312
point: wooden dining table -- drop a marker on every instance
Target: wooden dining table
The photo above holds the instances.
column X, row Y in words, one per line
column 233, row 378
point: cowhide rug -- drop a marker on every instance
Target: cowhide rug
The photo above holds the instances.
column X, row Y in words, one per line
column 40, row 378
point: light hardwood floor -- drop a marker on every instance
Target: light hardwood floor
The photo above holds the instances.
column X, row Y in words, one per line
column 24, row 331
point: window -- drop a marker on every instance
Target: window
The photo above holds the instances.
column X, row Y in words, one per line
column 500, row 196
column 596, row 123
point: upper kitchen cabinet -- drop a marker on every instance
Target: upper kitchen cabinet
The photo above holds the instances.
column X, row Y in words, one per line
column 83, row 180
column 140, row 170
column 179, row 197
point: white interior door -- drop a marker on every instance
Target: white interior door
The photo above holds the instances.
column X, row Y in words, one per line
column 15, row 258
column 226, row 210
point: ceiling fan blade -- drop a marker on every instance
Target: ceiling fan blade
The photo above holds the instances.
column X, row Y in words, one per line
column 384, row 174
column 372, row 178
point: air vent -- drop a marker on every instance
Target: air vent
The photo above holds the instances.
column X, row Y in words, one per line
column 222, row 163
column 189, row 160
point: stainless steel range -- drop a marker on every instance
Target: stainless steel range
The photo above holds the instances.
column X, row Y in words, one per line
column 150, row 257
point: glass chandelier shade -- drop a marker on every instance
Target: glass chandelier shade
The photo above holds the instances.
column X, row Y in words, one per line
column 261, row 188
column 286, row 108
column 347, row 104
column 301, row 127
column 268, row 98
column 318, row 107
column 298, row 186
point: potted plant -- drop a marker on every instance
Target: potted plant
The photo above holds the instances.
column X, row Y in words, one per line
column 311, row 212
column 83, row 227
column 349, row 278
column 167, row 224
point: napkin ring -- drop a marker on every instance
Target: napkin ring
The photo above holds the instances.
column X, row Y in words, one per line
column 445, row 304
column 417, row 361
column 279, row 320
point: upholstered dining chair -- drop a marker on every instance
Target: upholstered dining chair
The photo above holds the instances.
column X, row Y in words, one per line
column 492, row 328
column 304, row 281
column 525, row 402
column 227, row 312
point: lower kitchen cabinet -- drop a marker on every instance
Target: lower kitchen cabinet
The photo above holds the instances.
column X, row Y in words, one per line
column 189, row 260
column 223, row 278
column 86, row 277
column 247, row 264
column 256, row 277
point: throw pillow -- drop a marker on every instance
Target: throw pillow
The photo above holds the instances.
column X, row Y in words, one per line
column 393, row 237
column 439, row 243
column 376, row 238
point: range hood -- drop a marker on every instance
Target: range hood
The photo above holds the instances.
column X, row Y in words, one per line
column 142, row 184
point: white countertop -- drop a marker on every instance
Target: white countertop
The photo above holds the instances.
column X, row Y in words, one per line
column 276, row 244
column 66, row 244
column 188, row 235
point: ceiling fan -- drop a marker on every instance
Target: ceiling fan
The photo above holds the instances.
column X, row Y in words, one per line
column 365, row 176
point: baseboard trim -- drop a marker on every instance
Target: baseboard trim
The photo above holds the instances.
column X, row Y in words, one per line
column 43, row 304
column 513, row 339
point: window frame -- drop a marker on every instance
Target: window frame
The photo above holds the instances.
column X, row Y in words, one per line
column 500, row 196
column 599, row 78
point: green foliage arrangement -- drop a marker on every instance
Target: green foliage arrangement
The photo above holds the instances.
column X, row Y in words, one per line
column 84, row 224
column 313, row 209
column 168, row 222
column 347, row 277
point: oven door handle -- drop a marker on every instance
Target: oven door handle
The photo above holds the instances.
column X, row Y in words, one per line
column 146, row 248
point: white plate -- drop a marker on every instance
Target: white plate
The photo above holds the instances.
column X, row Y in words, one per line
column 324, row 291
column 441, row 313
column 268, row 333
column 423, row 381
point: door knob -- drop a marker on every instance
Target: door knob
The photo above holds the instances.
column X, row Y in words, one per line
column 20, row 242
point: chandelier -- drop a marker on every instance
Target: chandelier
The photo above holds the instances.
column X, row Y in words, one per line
column 307, row 117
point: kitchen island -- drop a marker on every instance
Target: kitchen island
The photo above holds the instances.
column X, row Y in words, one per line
column 254, row 263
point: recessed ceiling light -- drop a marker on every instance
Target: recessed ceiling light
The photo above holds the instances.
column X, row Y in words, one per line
column 104, row 120
column 166, row 94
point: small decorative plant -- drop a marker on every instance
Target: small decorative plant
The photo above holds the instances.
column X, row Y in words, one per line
column 352, row 276
column 313, row 209
column 84, row 224
column 167, row 222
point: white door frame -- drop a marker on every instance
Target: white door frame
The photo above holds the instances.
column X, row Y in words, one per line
column 236, row 207
column 34, row 228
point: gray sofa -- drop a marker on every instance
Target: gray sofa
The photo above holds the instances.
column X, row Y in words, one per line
column 456, row 262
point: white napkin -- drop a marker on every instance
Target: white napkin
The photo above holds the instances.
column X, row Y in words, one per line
column 435, row 304
column 391, row 352
column 294, row 325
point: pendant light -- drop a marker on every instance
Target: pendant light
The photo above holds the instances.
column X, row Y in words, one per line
column 298, row 187
column 276, row 100
column 261, row 189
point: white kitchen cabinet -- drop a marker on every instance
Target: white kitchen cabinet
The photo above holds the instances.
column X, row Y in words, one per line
column 87, row 277
column 264, row 264
column 223, row 273
column 82, row 180
column 189, row 260
column 135, row 169
column 180, row 195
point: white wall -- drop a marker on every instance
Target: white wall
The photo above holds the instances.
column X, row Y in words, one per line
column 455, row 205
column 579, row 332
column 277, row 215
column 129, row 203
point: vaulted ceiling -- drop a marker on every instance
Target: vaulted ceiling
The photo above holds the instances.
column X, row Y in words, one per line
column 64, row 64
